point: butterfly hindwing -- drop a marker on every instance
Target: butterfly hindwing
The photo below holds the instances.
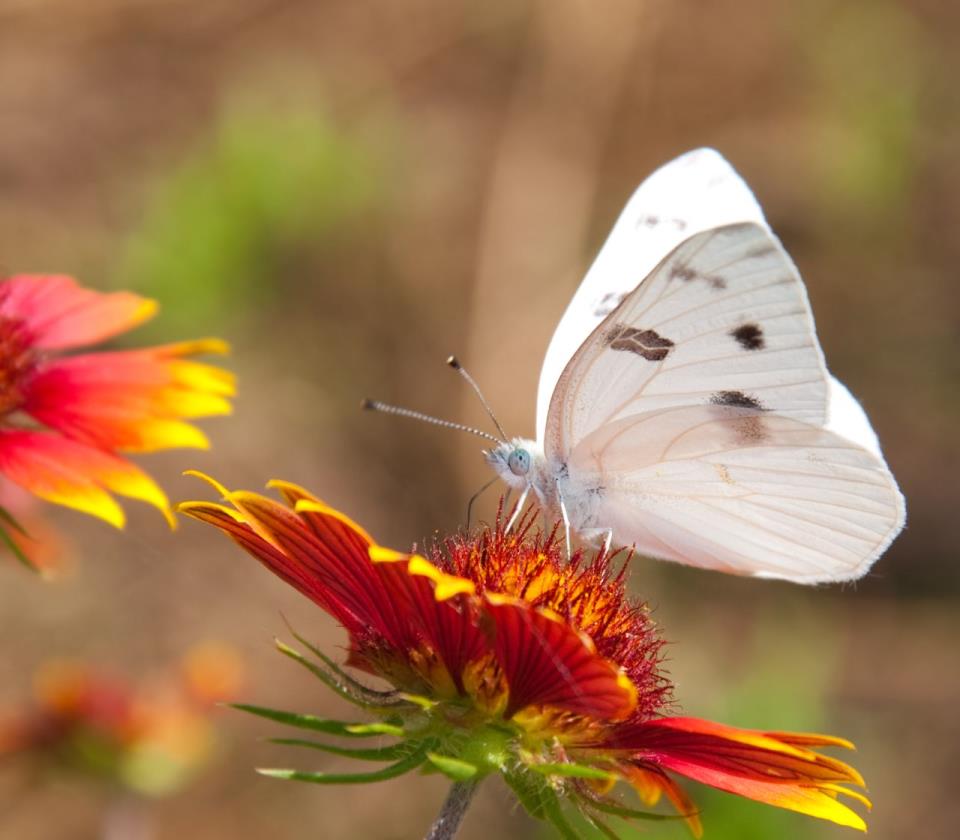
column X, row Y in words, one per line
column 736, row 490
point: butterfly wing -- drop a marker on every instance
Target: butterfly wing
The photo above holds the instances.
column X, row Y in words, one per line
column 737, row 490
column 723, row 320
column 696, row 191
column 720, row 336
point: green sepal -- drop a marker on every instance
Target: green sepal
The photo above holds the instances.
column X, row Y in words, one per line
column 553, row 812
column 527, row 788
column 315, row 724
column 615, row 810
column 9, row 519
column 8, row 540
column 389, row 753
column 540, row 801
column 370, row 694
column 377, row 728
column 405, row 766
column 334, row 682
column 424, row 703
column 454, row 768
column 571, row 770
column 602, row 827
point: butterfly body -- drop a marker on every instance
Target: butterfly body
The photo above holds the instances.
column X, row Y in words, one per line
column 685, row 407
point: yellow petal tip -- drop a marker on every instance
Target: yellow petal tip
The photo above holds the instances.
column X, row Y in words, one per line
column 447, row 586
column 382, row 554
column 216, row 485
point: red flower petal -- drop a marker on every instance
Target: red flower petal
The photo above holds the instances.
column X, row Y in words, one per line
column 650, row 782
column 325, row 556
column 742, row 749
column 228, row 521
column 75, row 475
column 61, row 314
column 447, row 624
column 127, row 400
column 546, row 662
column 757, row 765
column 402, row 599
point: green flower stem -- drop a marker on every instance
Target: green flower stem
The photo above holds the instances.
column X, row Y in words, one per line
column 447, row 823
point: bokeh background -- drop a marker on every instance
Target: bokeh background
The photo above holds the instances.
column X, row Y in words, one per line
column 349, row 191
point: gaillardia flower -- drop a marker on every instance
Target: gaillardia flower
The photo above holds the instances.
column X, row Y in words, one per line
column 506, row 657
column 64, row 418
column 150, row 737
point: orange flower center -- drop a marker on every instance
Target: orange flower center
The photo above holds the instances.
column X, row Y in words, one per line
column 17, row 360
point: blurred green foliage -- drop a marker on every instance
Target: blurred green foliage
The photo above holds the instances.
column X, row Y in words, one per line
column 865, row 61
column 220, row 226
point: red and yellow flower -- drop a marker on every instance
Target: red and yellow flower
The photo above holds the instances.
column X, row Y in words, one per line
column 506, row 657
column 65, row 418
column 149, row 738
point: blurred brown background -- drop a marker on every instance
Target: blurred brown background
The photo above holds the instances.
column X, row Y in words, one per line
column 350, row 190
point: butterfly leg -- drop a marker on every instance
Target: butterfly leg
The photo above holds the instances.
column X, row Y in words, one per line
column 474, row 497
column 598, row 536
column 566, row 522
column 518, row 508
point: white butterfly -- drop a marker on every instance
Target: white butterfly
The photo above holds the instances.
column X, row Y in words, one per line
column 684, row 405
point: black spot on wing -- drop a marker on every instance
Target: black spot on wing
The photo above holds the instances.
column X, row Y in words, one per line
column 652, row 221
column 687, row 274
column 760, row 251
column 647, row 343
column 606, row 304
column 736, row 399
column 749, row 336
column 748, row 429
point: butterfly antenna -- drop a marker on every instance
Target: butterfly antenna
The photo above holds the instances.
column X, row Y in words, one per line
column 384, row 408
column 454, row 362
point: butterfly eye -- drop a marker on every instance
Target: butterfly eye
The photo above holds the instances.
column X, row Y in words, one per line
column 519, row 462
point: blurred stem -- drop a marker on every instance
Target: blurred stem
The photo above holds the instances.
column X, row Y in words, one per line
column 447, row 823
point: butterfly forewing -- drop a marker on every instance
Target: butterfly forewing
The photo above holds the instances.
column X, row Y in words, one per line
column 722, row 321
column 697, row 191
column 736, row 490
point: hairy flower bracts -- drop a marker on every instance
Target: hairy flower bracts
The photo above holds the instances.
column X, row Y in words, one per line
column 148, row 738
column 506, row 657
column 65, row 418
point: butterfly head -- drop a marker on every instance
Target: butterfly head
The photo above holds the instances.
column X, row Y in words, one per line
column 514, row 461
